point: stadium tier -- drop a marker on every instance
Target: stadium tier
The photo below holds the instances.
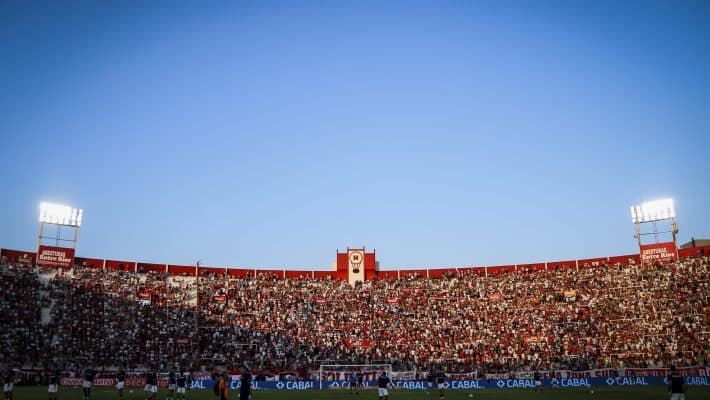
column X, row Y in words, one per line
column 580, row 315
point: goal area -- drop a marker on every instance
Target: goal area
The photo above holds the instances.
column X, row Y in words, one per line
column 338, row 375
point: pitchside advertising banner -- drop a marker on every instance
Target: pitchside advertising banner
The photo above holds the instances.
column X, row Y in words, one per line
column 50, row 256
column 422, row 385
column 659, row 252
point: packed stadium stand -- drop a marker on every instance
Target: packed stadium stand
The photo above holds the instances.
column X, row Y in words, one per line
column 562, row 316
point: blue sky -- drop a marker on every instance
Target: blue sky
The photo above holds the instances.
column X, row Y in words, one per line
column 445, row 133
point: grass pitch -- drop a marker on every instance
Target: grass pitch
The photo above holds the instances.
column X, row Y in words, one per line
column 599, row 393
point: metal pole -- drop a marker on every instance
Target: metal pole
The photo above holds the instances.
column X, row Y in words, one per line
column 39, row 239
column 76, row 235
column 39, row 243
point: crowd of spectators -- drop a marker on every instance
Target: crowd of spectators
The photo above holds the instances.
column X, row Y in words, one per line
column 571, row 319
column 20, row 330
column 111, row 318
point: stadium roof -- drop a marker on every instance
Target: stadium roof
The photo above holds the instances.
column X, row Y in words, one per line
column 696, row 243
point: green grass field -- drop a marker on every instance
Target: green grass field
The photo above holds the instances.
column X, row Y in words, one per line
column 601, row 393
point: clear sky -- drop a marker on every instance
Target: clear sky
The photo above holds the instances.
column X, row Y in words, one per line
column 440, row 133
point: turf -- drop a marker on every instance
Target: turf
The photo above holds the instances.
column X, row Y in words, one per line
column 601, row 393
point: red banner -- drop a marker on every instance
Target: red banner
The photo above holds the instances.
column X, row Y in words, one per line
column 218, row 297
column 80, row 381
column 130, row 382
column 659, row 252
column 685, row 371
column 55, row 256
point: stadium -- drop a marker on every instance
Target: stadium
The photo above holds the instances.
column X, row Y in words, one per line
column 566, row 327
column 391, row 200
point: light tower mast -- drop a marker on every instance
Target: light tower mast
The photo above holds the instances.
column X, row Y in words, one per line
column 63, row 218
column 646, row 218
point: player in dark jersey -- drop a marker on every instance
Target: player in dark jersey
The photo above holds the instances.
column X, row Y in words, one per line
column 151, row 384
column 215, row 389
column 121, row 377
column 8, row 383
column 440, row 379
column 431, row 380
column 245, row 386
column 215, row 378
column 89, row 375
column 537, row 376
column 53, row 384
column 181, row 382
column 172, row 384
column 352, row 381
column 676, row 385
column 383, row 382
column 359, row 379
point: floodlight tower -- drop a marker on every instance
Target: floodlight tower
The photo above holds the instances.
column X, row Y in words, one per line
column 62, row 217
column 653, row 213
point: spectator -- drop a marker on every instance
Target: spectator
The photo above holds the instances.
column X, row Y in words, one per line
column 615, row 316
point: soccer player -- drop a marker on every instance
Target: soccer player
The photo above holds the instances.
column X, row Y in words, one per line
column 440, row 379
column 223, row 386
column 431, row 379
column 181, row 383
column 53, row 385
column 89, row 375
column 172, row 384
column 383, row 382
column 215, row 378
column 676, row 385
column 537, row 376
column 151, row 384
column 352, row 381
column 8, row 383
column 245, row 386
column 121, row 377
column 359, row 377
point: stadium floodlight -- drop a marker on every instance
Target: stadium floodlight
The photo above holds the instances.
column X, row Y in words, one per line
column 59, row 214
column 652, row 211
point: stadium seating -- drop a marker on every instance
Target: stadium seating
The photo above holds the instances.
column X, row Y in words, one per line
column 562, row 318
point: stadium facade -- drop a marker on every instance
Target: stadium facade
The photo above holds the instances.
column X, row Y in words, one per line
column 351, row 265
